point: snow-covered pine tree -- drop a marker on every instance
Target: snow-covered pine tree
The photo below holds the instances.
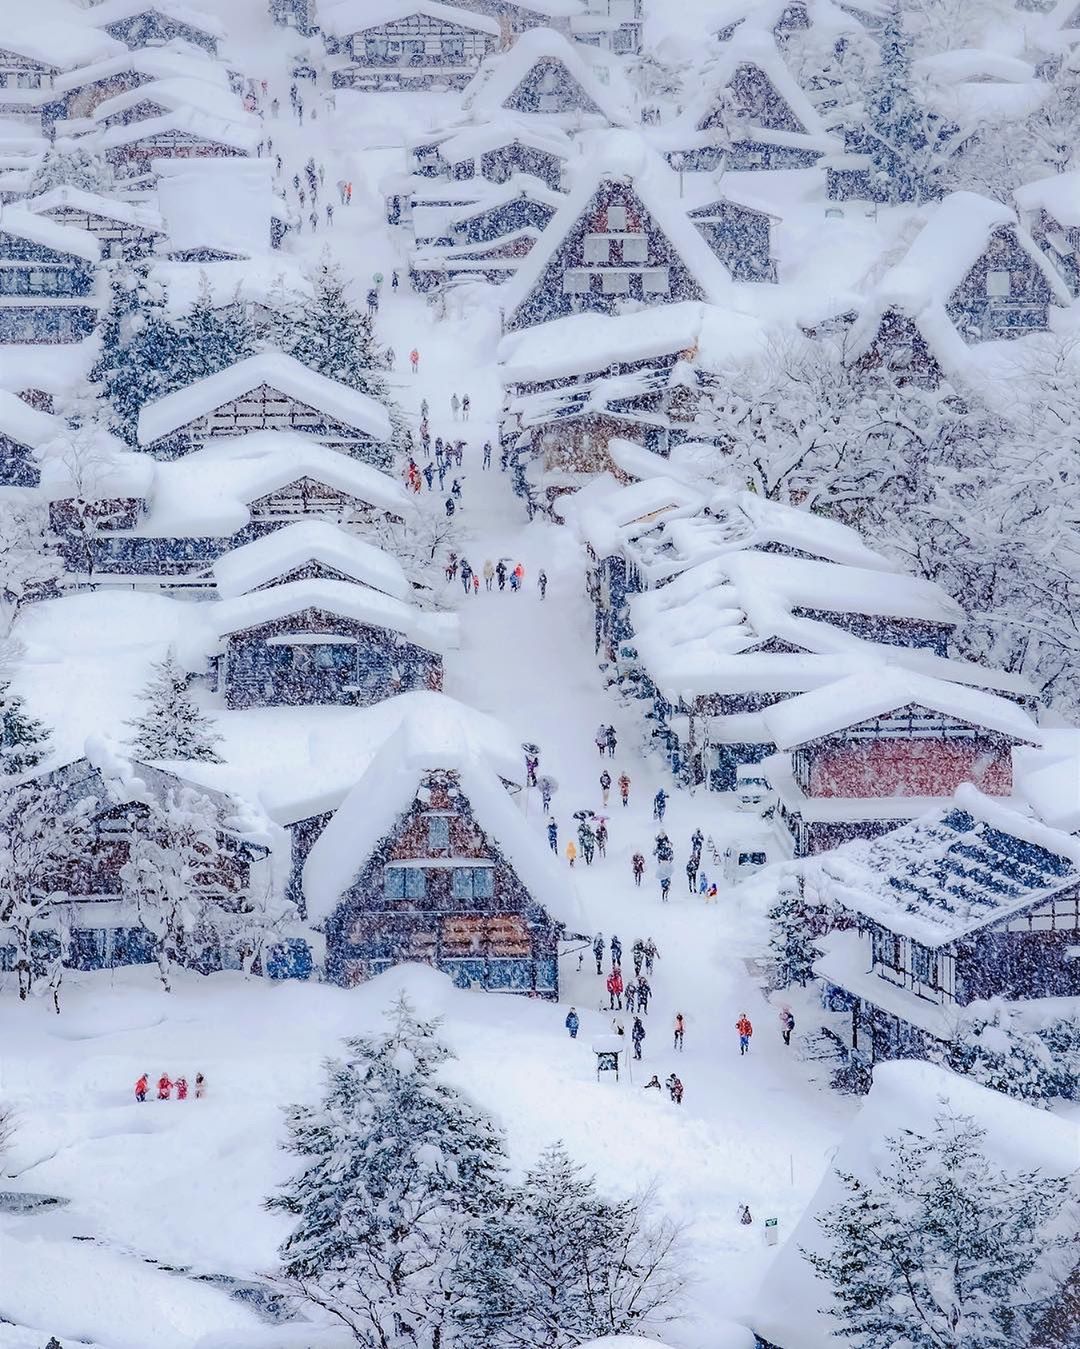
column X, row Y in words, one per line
column 794, row 922
column 172, row 726
column 211, row 336
column 328, row 334
column 172, row 880
column 941, row 1250
column 24, row 741
column 70, row 165
column 910, row 146
column 141, row 349
column 399, row 1172
column 566, row 1265
column 30, row 560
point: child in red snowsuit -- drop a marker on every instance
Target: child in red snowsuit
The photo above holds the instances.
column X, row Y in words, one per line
column 745, row 1030
column 140, row 1087
column 181, row 1088
column 164, row 1087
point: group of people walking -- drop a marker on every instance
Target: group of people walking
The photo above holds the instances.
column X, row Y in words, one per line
column 493, row 573
column 165, row 1086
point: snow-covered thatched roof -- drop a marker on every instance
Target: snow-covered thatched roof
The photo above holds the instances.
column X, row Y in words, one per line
column 53, row 39
column 426, row 742
column 106, row 12
column 240, row 133
column 623, row 156
column 173, row 61
column 792, row 1306
column 254, row 564
column 1058, row 195
column 278, row 371
column 209, row 491
column 25, row 424
column 343, row 599
column 494, row 84
column 877, row 693
column 24, row 224
column 66, row 197
column 356, row 16
column 177, row 92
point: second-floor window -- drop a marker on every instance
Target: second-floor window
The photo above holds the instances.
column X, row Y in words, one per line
column 404, row 883
column 472, row 882
column 924, row 964
column 438, row 833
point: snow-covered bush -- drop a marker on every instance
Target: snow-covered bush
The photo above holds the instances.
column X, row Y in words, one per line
column 794, row 922
column 940, row 1250
column 70, row 165
column 996, row 1048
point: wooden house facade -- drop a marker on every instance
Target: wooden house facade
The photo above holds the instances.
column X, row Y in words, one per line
column 435, row 866
column 46, row 280
column 298, row 14
column 323, row 642
column 740, row 236
column 861, row 756
column 419, row 44
column 613, row 25
column 131, row 149
column 89, row 921
column 979, row 902
column 26, row 84
column 1050, row 212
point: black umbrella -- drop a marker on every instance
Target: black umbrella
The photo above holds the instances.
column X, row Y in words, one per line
column 584, row 814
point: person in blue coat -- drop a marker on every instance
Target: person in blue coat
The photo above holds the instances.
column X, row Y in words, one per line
column 553, row 835
column 571, row 1023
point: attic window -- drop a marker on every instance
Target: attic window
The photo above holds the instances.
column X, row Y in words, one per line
column 998, row 284
column 616, row 218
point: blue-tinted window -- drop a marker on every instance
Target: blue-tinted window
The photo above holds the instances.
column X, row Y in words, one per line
column 438, row 833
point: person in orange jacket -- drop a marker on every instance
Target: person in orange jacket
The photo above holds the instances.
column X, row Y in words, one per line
column 745, row 1030
column 615, row 988
column 140, row 1087
column 164, row 1087
column 571, row 852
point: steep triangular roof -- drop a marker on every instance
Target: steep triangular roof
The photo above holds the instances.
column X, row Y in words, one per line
column 654, row 189
column 429, row 740
column 500, row 84
column 321, row 541
column 757, row 50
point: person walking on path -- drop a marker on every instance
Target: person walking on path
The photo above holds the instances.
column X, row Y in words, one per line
column 487, row 454
column 466, row 576
column 598, row 952
column 414, row 360
column 616, row 951
column 546, row 788
column 745, row 1216
column 662, row 849
column 651, row 954
column 455, row 405
column 624, row 788
column 611, row 740
column 638, row 865
column 164, row 1087
column 586, row 842
column 541, row 584
column 638, row 1036
column 553, row 836
column 141, row 1086
column 489, row 573
column 476, row 583
column 614, row 987
column 518, row 577
column 571, row 1023
column 429, row 475
column 601, row 839
column 601, row 740
column 605, row 785
column 455, row 489
column 200, row 1086
column 691, row 873
column 181, row 1088
column 638, row 952
column 787, row 1024
column 680, row 1030
column 663, row 873
column 450, row 507
column 630, row 993
column 500, row 574
column 465, row 408
column 745, row 1030
column 644, row 993
column 571, row 852
column 659, row 805
column 675, row 1089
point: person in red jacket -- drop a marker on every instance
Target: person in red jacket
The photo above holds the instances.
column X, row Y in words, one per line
column 164, row 1087
column 615, row 988
column 181, row 1088
column 140, row 1087
column 745, row 1030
